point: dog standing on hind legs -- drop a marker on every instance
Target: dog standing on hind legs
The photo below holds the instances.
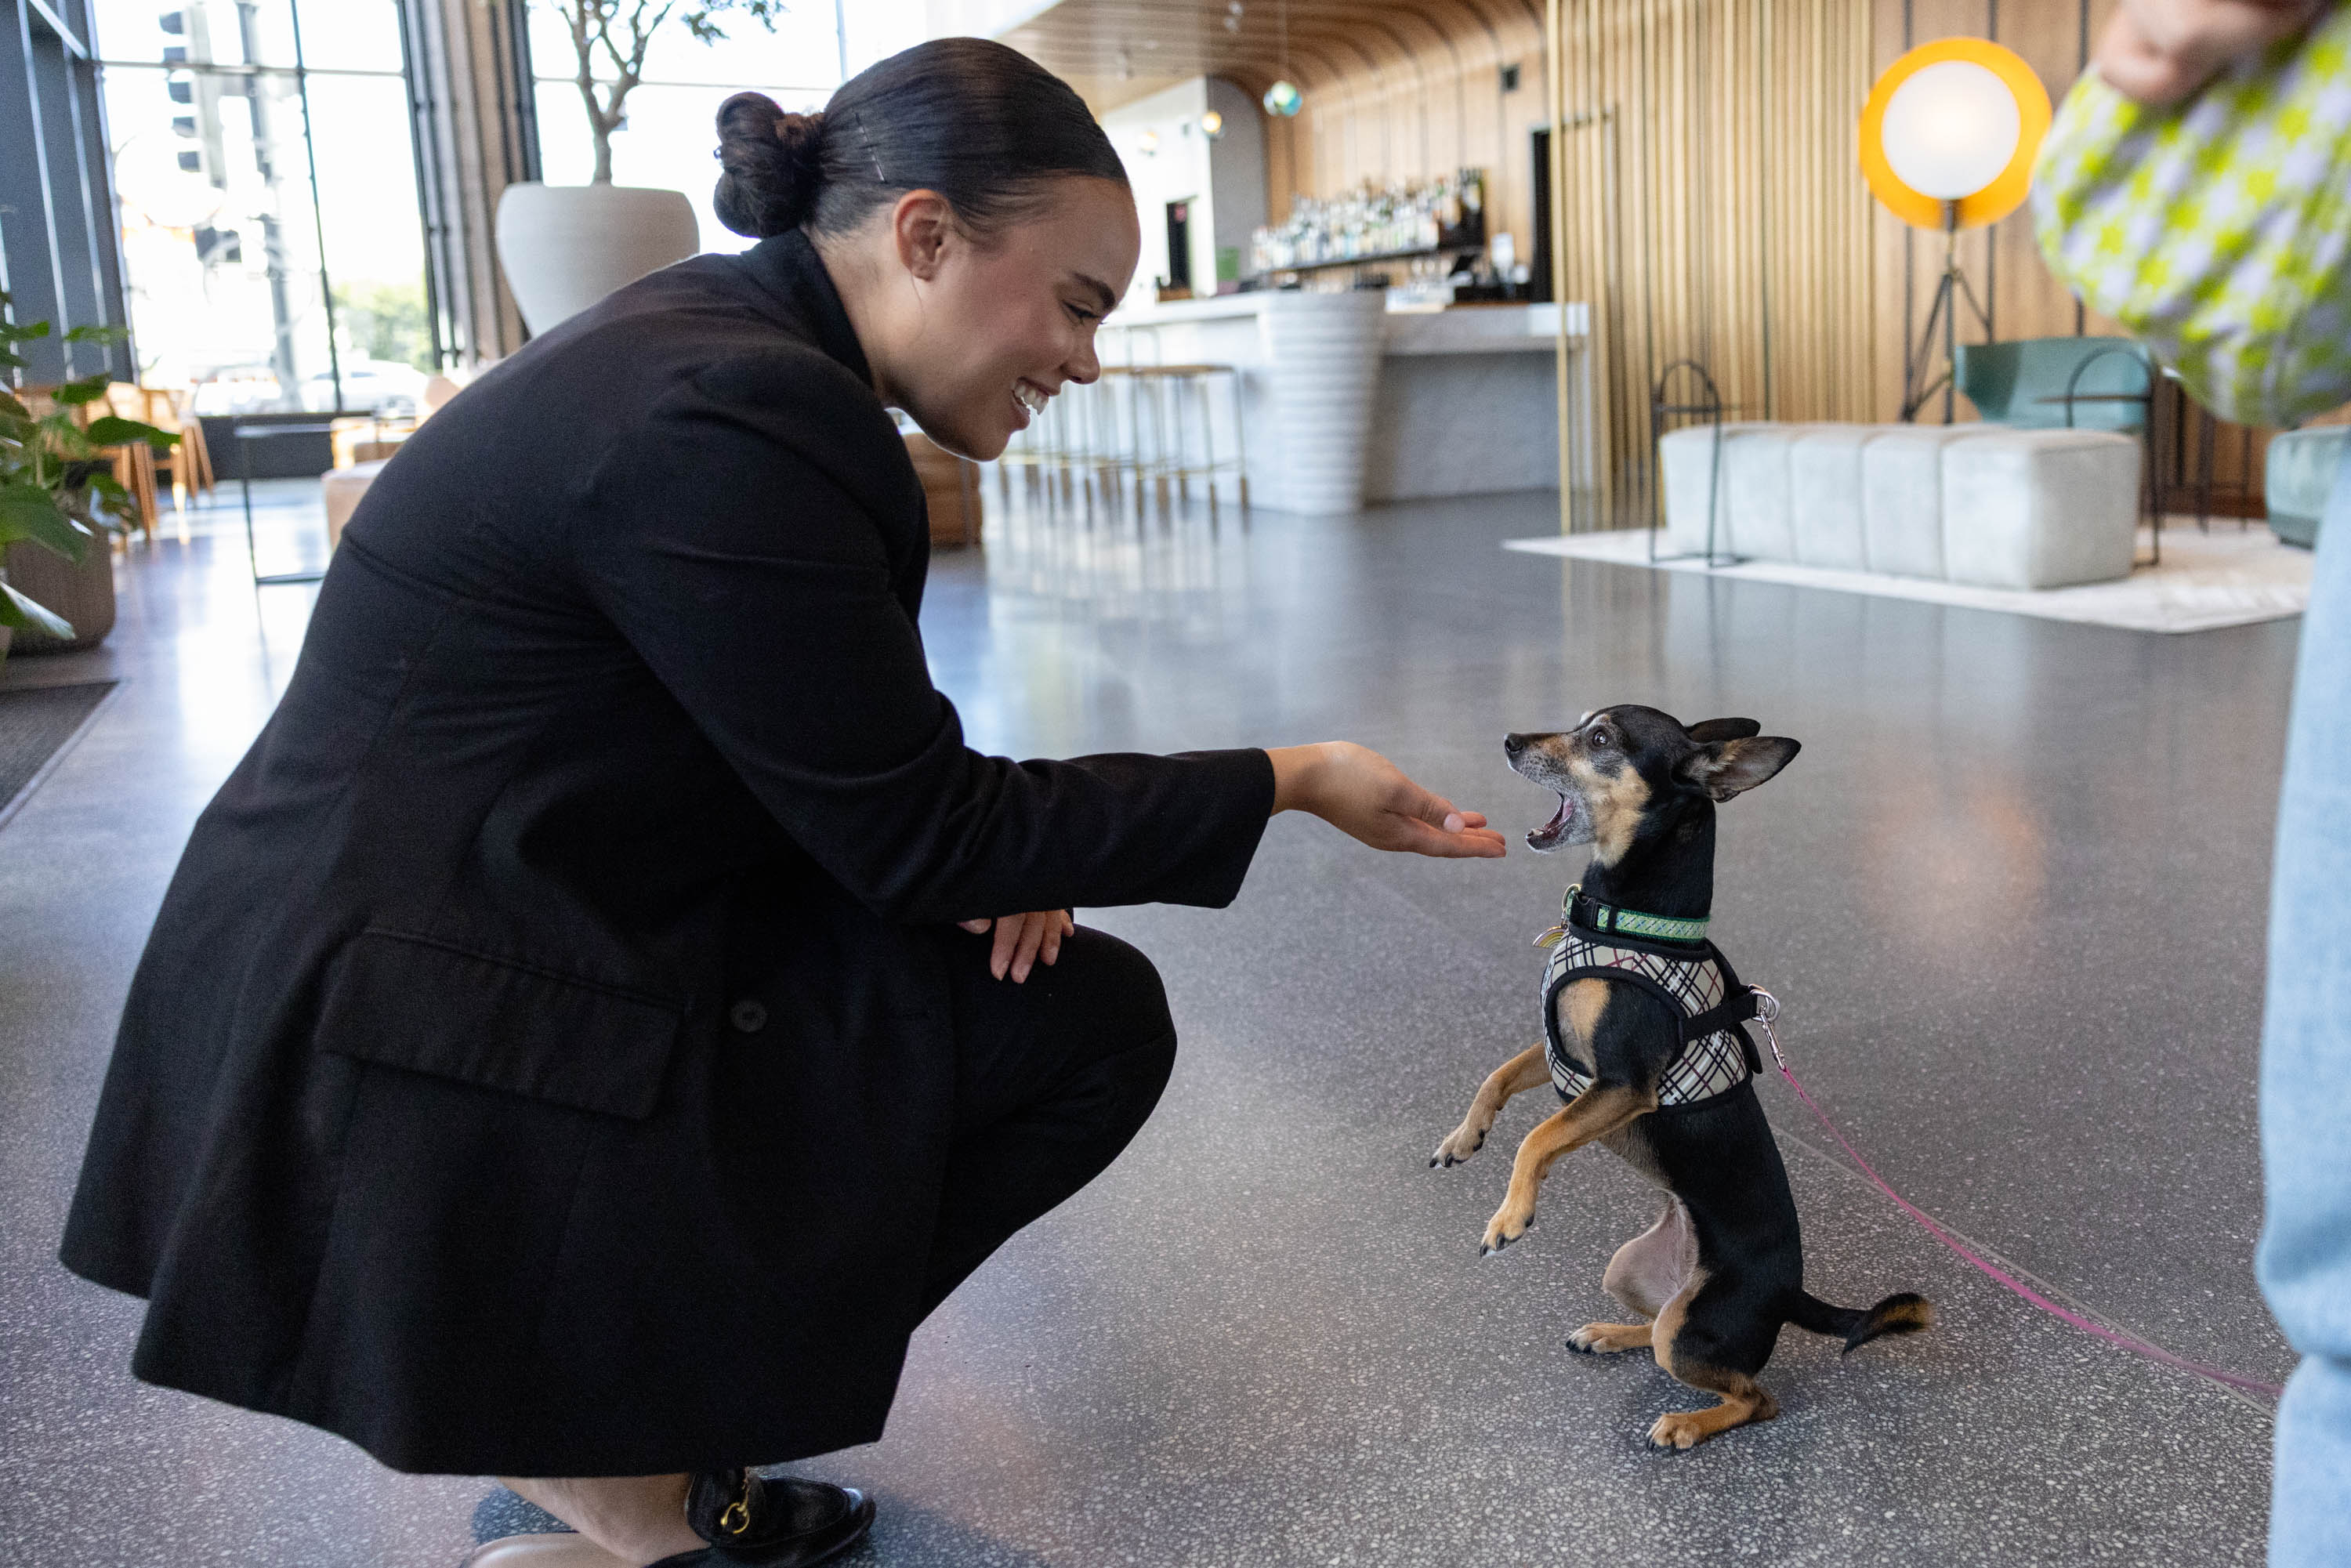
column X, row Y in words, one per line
column 1644, row 1040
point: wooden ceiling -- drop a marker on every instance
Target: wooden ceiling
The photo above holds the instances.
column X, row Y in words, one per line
column 1119, row 49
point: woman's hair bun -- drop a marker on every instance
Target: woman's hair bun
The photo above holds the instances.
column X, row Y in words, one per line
column 773, row 165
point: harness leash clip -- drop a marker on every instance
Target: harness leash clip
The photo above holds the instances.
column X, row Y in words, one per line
column 1767, row 1013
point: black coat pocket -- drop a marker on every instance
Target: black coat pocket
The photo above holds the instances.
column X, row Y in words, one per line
column 403, row 1000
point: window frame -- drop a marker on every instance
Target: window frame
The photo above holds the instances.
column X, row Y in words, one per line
column 301, row 71
column 52, row 101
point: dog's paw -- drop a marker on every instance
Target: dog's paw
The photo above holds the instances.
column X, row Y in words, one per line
column 1459, row 1145
column 1507, row 1226
column 1607, row 1339
column 1678, row 1430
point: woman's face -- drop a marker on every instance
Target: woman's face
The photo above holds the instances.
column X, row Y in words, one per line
column 995, row 325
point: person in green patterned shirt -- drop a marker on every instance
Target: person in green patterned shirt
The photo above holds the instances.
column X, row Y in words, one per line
column 2158, row 53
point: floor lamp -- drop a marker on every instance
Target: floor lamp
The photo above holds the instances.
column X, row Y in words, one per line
column 1947, row 140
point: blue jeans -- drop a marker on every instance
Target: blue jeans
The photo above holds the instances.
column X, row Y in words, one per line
column 2305, row 1254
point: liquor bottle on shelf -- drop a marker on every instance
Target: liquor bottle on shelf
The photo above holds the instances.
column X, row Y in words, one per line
column 1398, row 220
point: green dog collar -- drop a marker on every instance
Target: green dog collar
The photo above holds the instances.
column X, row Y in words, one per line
column 1596, row 915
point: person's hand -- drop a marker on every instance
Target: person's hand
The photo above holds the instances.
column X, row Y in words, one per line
column 1365, row 796
column 2159, row 51
column 1021, row 940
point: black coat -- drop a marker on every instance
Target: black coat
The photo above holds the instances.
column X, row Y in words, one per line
column 540, row 1062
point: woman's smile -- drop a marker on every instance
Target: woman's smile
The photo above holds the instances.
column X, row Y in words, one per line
column 1029, row 398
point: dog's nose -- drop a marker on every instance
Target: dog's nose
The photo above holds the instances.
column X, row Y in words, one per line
column 1513, row 743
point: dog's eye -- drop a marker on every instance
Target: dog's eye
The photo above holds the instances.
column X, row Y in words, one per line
column 1601, row 739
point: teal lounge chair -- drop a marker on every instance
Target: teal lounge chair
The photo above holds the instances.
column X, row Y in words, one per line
column 2024, row 383
column 2299, row 473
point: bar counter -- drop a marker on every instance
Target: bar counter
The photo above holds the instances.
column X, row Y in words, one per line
column 1346, row 400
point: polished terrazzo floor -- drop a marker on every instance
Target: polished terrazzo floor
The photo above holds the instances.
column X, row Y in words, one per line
column 2011, row 893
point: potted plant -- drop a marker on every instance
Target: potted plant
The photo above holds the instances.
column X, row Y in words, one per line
column 564, row 248
column 58, row 491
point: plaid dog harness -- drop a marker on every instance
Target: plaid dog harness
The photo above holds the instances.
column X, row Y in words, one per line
column 1673, row 961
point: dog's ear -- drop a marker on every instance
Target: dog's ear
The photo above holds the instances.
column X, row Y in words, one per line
column 1727, row 768
column 1707, row 731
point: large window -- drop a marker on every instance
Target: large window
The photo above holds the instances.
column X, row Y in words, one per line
column 271, row 245
column 668, row 140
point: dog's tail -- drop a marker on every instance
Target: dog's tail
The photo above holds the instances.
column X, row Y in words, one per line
column 1902, row 1314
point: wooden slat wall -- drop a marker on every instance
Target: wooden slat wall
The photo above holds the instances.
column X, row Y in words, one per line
column 1713, row 212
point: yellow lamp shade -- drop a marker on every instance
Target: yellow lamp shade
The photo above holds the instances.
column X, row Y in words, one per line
column 1958, row 121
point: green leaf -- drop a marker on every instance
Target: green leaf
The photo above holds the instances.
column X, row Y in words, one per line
column 89, row 388
column 110, row 505
column 9, row 406
column 66, row 439
column 16, row 610
column 29, row 512
column 96, row 335
column 110, row 430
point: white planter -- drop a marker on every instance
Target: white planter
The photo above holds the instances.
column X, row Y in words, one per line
column 564, row 248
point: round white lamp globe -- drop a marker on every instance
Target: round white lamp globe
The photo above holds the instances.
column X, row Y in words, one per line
column 1950, row 128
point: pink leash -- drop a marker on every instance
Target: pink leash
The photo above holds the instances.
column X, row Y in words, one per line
column 1767, row 1009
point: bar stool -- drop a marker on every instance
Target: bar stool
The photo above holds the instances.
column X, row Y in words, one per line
column 1102, row 449
column 1176, row 395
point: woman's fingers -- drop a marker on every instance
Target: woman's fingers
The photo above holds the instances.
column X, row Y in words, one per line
column 1008, row 944
column 1429, row 824
column 1023, row 940
column 1366, row 796
column 1032, row 941
column 1468, row 843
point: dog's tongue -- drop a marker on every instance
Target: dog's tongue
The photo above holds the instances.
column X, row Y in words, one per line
column 1545, row 839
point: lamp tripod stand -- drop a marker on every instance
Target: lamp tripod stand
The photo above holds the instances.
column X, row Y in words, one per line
column 1944, row 312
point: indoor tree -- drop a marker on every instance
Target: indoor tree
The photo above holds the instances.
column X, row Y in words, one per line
column 622, row 31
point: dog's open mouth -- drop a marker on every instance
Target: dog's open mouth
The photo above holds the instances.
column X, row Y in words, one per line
column 1545, row 839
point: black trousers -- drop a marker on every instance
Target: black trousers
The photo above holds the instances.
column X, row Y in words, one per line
column 1054, row 1078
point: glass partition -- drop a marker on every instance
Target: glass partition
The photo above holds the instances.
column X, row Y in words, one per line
column 272, row 250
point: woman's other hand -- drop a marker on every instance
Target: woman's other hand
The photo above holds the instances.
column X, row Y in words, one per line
column 2159, row 51
column 1023, row 939
column 1365, row 796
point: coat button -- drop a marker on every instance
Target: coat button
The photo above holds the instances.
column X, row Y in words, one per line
column 748, row 1016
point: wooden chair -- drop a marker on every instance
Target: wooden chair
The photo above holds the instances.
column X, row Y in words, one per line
column 187, row 466
column 134, row 465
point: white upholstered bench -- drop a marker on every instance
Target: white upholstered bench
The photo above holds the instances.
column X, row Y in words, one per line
column 1978, row 504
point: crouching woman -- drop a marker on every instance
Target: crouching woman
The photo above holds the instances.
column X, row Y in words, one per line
column 609, row 1006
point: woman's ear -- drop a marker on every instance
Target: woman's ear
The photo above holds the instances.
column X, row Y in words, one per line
column 923, row 225
column 1731, row 766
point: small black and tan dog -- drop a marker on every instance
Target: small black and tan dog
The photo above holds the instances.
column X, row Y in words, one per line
column 1644, row 1038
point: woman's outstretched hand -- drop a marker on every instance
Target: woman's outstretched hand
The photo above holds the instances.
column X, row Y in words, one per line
column 1023, row 940
column 1365, row 796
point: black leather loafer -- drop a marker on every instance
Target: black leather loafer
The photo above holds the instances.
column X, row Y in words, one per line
column 784, row 1522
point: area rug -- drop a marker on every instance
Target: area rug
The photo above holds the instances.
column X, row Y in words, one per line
column 36, row 724
column 2230, row 577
